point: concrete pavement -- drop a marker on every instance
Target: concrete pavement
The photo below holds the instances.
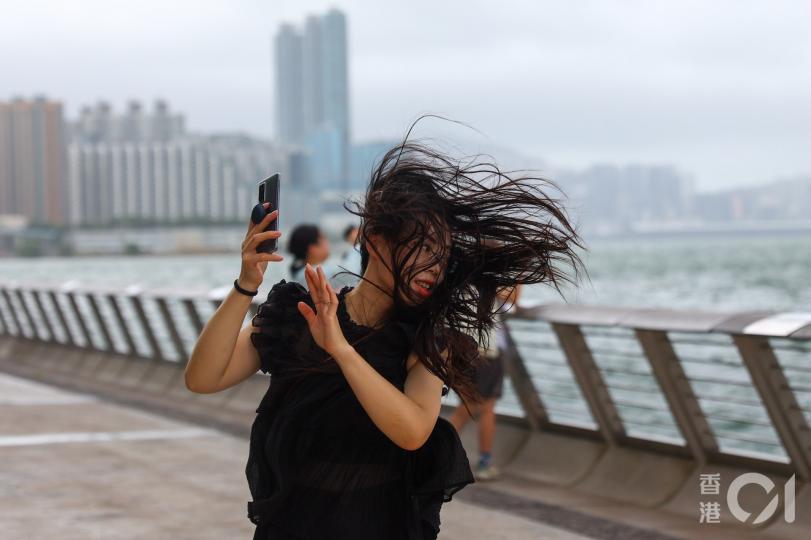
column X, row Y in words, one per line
column 78, row 467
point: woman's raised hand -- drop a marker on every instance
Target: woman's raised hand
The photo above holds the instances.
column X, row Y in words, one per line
column 253, row 263
column 323, row 322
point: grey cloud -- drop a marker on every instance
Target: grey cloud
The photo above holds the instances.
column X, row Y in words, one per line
column 718, row 88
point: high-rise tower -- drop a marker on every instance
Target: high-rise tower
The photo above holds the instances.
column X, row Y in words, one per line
column 289, row 99
column 32, row 160
column 312, row 88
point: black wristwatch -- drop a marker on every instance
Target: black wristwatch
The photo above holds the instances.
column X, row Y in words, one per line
column 244, row 291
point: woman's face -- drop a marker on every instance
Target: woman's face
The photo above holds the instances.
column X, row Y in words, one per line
column 318, row 252
column 424, row 260
column 423, row 267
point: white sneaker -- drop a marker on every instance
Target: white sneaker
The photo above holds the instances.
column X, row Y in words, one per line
column 485, row 473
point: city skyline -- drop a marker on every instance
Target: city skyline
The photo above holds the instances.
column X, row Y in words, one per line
column 141, row 167
column 719, row 91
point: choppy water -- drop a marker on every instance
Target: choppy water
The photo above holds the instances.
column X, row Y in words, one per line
column 710, row 272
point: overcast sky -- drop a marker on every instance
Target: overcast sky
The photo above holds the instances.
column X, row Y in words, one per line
column 721, row 89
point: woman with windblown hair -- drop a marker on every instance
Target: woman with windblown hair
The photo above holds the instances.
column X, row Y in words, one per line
column 348, row 442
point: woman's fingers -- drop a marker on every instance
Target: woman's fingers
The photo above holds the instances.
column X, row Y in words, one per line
column 323, row 282
column 258, row 257
column 312, row 286
column 317, row 283
column 326, row 305
column 309, row 280
column 259, row 237
column 333, row 298
column 321, row 290
column 251, row 224
column 307, row 312
column 253, row 228
column 262, row 225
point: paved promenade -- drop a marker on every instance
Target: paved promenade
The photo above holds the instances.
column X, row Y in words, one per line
column 76, row 467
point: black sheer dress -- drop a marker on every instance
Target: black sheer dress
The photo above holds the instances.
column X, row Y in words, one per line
column 318, row 467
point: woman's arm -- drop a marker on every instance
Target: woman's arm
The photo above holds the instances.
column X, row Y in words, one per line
column 223, row 354
column 407, row 418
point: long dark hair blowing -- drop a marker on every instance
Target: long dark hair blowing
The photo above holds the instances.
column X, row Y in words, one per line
column 505, row 231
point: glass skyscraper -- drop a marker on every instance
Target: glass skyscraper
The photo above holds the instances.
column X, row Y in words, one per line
column 312, row 96
column 289, row 99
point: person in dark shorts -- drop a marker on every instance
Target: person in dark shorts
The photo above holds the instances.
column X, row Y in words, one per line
column 490, row 381
column 490, row 384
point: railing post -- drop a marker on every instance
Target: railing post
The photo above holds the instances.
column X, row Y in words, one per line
column 122, row 323
column 100, row 320
column 60, row 314
column 528, row 396
column 74, row 305
column 27, row 312
column 5, row 326
column 46, row 320
column 17, row 326
column 194, row 315
column 591, row 382
column 135, row 299
column 778, row 399
column 678, row 392
column 172, row 327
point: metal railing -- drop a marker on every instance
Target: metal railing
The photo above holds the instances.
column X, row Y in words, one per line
column 711, row 386
column 718, row 387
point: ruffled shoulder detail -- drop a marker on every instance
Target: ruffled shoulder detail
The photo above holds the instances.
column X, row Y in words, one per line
column 434, row 473
column 280, row 324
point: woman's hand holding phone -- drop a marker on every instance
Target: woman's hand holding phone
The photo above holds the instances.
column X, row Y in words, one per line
column 254, row 264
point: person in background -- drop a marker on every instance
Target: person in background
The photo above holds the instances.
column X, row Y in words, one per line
column 490, row 382
column 307, row 245
column 351, row 234
column 349, row 266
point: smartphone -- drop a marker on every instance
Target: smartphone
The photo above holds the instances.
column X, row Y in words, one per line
column 269, row 192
